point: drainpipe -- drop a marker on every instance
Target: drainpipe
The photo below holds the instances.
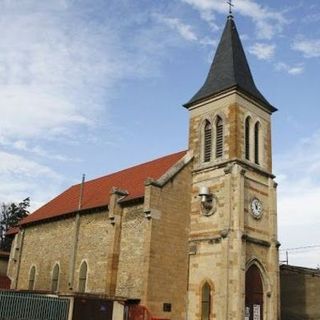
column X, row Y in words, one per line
column 75, row 238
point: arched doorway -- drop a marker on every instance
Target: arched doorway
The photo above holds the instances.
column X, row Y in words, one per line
column 254, row 294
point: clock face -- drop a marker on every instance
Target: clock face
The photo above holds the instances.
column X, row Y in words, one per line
column 256, row 208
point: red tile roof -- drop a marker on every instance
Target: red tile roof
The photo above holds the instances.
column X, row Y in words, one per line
column 96, row 193
column 12, row 231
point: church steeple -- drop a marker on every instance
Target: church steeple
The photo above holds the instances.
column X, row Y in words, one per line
column 230, row 70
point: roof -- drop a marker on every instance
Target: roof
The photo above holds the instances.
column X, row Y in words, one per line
column 96, row 193
column 299, row 269
column 12, row 231
column 229, row 69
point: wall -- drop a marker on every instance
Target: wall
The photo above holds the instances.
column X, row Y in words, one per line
column 4, row 258
column 49, row 243
column 166, row 246
column 131, row 258
column 300, row 293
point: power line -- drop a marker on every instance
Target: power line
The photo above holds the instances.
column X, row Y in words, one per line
column 302, row 248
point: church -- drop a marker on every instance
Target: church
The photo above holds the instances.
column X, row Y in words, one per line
column 191, row 235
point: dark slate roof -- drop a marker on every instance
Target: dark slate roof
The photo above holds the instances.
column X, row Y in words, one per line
column 229, row 69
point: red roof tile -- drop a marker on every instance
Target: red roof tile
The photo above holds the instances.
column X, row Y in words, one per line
column 96, row 193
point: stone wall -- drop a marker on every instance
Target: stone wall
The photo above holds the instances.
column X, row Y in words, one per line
column 166, row 247
column 46, row 244
column 233, row 108
column 131, row 259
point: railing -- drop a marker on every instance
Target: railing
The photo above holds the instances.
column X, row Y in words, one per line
column 28, row 306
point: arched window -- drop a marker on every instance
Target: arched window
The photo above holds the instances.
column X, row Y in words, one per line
column 219, row 137
column 32, row 278
column 247, row 138
column 207, row 145
column 55, row 278
column 206, row 302
column 83, row 277
column 256, row 142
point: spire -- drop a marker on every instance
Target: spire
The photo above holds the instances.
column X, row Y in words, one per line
column 229, row 70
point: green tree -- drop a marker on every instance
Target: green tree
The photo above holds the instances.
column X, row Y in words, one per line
column 10, row 215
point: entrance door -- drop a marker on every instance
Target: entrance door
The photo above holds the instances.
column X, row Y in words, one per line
column 254, row 294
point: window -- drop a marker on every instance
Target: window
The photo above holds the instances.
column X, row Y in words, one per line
column 55, row 278
column 83, row 277
column 32, row 278
column 207, row 146
column 256, row 142
column 247, row 138
column 219, row 137
column 205, row 302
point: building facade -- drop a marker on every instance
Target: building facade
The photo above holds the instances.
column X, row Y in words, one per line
column 192, row 235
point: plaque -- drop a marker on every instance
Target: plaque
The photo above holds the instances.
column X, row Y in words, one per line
column 256, row 312
column 247, row 313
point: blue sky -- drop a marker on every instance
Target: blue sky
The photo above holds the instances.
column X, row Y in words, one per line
column 96, row 86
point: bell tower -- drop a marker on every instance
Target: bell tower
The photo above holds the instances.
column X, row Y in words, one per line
column 233, row 257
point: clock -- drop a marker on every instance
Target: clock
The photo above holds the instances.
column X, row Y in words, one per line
column 256, row 207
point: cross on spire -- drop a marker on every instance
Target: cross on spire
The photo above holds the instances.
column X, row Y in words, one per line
column 229, row 2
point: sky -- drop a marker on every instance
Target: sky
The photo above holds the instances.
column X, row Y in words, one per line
column 96, row 86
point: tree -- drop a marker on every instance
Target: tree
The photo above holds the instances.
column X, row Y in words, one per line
column 10, row 215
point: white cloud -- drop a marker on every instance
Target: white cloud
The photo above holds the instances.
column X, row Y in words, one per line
column 16, row 165
column 31, row 148
column 309, row 47
column 60, row 64
column 292, row 70
column 263, row 51
column 268, row 22
column 42, row 72
column 183, row 29
column 298, row 196
column 21, row 178
column 58, row 67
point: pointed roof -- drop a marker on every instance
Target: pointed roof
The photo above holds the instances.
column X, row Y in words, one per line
column 229, row 70
column 96, row 193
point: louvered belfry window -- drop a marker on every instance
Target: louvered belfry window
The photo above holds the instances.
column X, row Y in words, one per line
column 247, row 138
column 256, row 142
column 219, row 137
column 207, row 146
